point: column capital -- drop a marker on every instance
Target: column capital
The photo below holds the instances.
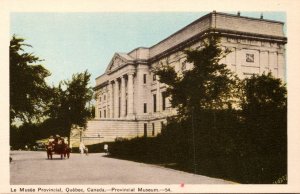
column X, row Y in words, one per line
column 123, row 77
column 130, row 73
column 111, row 81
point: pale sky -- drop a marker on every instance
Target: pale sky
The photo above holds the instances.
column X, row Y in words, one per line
column 73, row 42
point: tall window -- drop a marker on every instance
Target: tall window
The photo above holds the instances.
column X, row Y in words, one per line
column 154, row 102
column 145, row 78
column 145, row 129
column 126, row 107
column 153, row 129
column 163, row 94
column 100, row 114
column 119, row 111
column 104, row 113
column 145, row 107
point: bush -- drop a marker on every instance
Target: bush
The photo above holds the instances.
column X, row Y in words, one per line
column 217, row 144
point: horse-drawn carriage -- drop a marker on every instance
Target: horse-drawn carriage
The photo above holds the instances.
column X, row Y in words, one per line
column 58, row 147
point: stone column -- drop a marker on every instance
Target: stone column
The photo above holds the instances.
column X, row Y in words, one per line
column 123, row 97
column 116, row 99
column 130, row 94
column 97, row 107
column 111, row 100
column 239, row 62
column 281, row 67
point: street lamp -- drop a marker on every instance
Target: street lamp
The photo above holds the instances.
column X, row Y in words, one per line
column 80, row 132
column 69, row 125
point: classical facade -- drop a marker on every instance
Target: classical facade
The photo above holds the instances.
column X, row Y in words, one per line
column 131, row 102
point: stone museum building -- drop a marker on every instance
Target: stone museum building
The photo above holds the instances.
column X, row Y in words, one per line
column 130, row 100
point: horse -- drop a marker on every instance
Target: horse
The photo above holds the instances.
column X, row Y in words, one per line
column 59, row 148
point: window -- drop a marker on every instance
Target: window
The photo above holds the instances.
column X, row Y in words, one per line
column 249, row 58
column 104, row 113
column 153, row 129
column 100, row 114
column 183, row 67
column 162, row 125
column 163, row 94
column 145, row 78
column 154, row 77
column 154, row 102
column 145, row 107
column 126, row 109
column 119, row 103
column 145, row 129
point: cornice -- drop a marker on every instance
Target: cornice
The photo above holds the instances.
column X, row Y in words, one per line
column 101, row 85
column 221, row 33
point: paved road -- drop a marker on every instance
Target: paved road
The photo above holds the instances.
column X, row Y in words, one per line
column 32, row 168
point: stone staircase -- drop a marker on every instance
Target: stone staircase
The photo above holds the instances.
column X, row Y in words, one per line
column 105, row 130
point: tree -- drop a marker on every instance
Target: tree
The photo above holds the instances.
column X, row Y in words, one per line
column 208, row 85
column 201, row 95
column 70, row 102
column 262, row 93
column 264, row 110
column 29, row 92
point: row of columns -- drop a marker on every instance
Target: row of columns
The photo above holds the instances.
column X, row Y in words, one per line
column 117, row 92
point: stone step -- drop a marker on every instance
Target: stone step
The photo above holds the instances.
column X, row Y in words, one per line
column 109, row 130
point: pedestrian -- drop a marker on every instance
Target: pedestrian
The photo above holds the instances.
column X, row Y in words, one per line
column 105, row 148
column 81, row 148
column 66, row 140
column 86, row 150
column 50, row 140
column 26, row 147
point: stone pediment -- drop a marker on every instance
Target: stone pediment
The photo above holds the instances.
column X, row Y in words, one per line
column 117, row 62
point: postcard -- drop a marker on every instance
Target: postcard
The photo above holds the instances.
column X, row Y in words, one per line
column 149, row 96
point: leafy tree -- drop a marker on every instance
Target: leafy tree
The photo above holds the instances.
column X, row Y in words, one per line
column 264, row 110
column 70, row 102
column 29, row 92
column 263, row 92
column 201, row 95
column 208, row 85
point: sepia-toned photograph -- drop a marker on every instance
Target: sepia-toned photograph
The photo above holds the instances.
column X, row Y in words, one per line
column 105, row 98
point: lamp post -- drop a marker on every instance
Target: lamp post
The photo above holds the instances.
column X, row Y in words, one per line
column 69, row 128
column 194, row 146
column 80, row 133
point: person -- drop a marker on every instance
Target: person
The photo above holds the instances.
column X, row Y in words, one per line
column 57, row 138
column 106, row 148
column 66, row 140
column 86, row 150
column 81, row 147
column 50, row 140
